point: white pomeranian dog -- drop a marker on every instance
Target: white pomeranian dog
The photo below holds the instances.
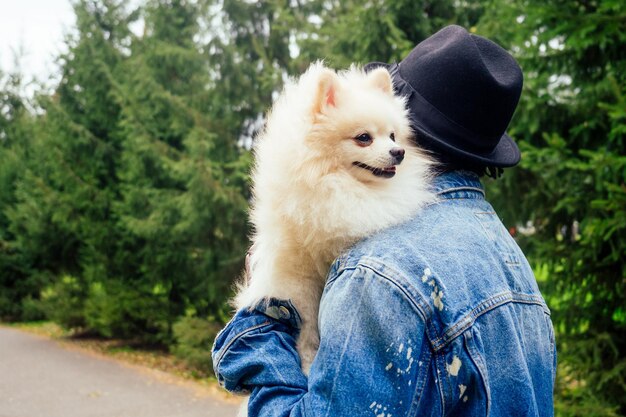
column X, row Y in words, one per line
column 334, row 164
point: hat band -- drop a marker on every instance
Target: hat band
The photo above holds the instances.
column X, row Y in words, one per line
column 428, row 118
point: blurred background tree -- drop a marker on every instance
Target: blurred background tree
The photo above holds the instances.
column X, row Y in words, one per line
column 123, row 193
column 346, row 32
column 20, row 279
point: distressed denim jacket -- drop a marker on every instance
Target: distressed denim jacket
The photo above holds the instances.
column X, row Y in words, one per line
column 438, row 316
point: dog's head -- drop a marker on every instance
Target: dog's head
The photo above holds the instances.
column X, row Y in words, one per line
column 358, row 124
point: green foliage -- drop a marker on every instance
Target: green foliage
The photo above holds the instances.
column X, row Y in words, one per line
column 193, row 339
column 382, row 30
column 114, row 309
column 129, row 182
column 64, row 302
column 19, row 279
column 181, row 190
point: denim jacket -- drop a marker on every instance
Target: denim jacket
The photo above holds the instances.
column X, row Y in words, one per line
column 437, row 316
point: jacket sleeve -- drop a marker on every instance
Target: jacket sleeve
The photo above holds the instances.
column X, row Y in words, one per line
column 369, row 363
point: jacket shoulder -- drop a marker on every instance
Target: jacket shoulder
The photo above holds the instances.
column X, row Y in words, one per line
column 454, row 260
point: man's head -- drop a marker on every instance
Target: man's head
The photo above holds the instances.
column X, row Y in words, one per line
column 461, row 92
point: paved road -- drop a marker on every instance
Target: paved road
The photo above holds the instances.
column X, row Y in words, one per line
column 39, row 378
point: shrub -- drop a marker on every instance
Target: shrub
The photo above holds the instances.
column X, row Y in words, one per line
column 117, row 309
column 193, row 339
column 64, row 302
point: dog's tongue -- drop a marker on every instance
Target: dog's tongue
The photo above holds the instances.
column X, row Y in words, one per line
column 390, row 169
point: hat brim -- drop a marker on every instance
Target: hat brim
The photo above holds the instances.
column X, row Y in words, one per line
column 505, row 154
column 373, row 65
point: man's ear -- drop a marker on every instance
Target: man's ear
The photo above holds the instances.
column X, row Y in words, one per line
column 380, row 78
column 327, row 86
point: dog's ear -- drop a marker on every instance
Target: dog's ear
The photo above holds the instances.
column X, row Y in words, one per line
column 327, row 86
column 380, row 78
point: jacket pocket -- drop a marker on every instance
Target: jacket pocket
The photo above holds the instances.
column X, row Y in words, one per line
column 461, row 373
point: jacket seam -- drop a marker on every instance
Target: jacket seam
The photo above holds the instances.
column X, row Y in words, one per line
column 422, row 308
column 486, row 306
column 439, row 366
column 407, row 296
column 480, row 366
column 425, row 358
column 343, row 350
column 440, row 341
column 458, row 198
column 463, row 188
column 235, row 338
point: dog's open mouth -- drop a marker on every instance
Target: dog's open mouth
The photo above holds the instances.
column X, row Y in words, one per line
column 386, row 172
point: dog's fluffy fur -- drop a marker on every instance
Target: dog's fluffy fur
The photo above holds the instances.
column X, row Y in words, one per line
column 311, row 201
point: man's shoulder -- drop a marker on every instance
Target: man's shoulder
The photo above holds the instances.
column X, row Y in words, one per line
column 418, row 239
column 455, row 253
column 401, row 253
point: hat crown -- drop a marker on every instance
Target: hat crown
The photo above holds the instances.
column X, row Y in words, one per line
column 472, row 81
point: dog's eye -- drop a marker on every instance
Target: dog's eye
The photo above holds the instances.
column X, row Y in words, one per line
column 392, row 137
column 364, row 139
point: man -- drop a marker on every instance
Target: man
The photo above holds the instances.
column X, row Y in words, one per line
column 437, row 316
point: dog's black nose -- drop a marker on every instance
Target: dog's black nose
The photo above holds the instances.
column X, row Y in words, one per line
column 398, row 154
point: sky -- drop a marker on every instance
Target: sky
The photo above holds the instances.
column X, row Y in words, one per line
column 35, row 27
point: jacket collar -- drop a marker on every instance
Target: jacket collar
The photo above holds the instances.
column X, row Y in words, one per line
column 458, row 184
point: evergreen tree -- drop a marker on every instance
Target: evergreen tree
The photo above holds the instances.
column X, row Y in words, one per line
column 346, row 32
column 182, row 175
column 249, row 58
column 19, row 283
column 61, row 219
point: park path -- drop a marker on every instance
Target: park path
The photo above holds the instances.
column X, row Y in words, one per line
column 40, row 378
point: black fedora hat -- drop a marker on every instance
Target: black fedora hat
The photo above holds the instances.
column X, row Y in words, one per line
column 462, row 90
